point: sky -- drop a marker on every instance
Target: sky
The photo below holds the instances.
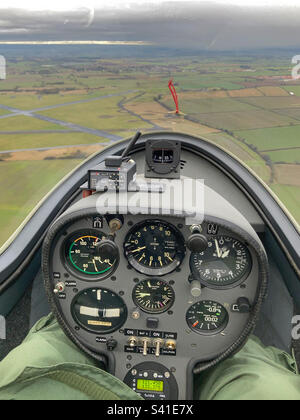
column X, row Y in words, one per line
column 69, row 4
column 201, row 24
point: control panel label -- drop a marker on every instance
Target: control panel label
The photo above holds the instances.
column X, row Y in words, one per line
column 150, row 350
column 153, row 334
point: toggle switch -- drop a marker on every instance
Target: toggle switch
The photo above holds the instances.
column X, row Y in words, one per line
column 59, row 288
column 158, row 343
column 146, row 341
column 132, row 341
column 111, row 344
column 171, row 344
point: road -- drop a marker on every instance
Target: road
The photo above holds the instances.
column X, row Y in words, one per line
column 15, row 111
column 121, row 105
column 36, row 132
column 70, row 126
column 42, row 149
column 78, row 128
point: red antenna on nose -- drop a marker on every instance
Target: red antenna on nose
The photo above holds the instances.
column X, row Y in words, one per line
column 174, row 94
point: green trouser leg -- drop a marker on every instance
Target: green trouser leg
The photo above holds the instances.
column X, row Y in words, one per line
column 255, row 373
column 49, row 366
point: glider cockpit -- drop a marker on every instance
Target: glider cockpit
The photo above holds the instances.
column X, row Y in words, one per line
column 160, row 257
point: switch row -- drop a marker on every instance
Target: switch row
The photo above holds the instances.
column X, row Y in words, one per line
column 157, row 343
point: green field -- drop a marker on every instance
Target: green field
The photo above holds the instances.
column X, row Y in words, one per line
column 24, row 123
column 35, row 100
column 212, row 105
column 248, row 156
column 42, row 140
column 102, row 115
column 294, row 89
column 272, row 102
column 290, row 112
column 194, row 82
column 290, row 196
column 22, row 188
column 244, row 120
column 287, row 156
column 4, row 112
column 272, row 138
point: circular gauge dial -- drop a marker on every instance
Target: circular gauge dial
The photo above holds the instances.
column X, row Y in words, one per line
column 153, row 296
column 82, row 254
column 225, row 262
column 154, row 247
column 207, row 317
column 99, row 310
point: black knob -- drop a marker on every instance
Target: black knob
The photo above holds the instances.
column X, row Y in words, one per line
column 197, row 243
column 108, row 249
column 243, row 305
column 111, row 344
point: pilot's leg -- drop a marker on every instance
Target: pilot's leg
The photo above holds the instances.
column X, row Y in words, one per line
column 255, row 373
column 48, row 366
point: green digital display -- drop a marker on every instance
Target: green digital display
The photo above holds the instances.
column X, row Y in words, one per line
column 148, row 385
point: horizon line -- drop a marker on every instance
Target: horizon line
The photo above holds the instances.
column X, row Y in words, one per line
column 76, row 43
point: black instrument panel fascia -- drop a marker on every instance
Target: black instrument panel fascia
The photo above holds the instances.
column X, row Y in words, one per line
column 181, row 280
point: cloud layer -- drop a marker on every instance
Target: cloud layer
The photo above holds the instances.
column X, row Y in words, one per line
column 181, row 24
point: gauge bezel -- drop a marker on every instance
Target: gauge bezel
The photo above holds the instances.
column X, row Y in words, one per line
column 72, row 269
column 154, row 272
column 84, row 327
column 165, row 309
column 207, row 332
column 237, row 282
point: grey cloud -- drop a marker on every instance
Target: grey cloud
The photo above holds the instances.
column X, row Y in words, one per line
column 43, row 21
column 202, row 25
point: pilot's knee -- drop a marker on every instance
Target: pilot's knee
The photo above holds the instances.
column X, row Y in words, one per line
column 269, row 385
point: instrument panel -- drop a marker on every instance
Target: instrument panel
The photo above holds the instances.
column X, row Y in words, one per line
column 159, row 274
column 152, row 306
column 154, row 247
